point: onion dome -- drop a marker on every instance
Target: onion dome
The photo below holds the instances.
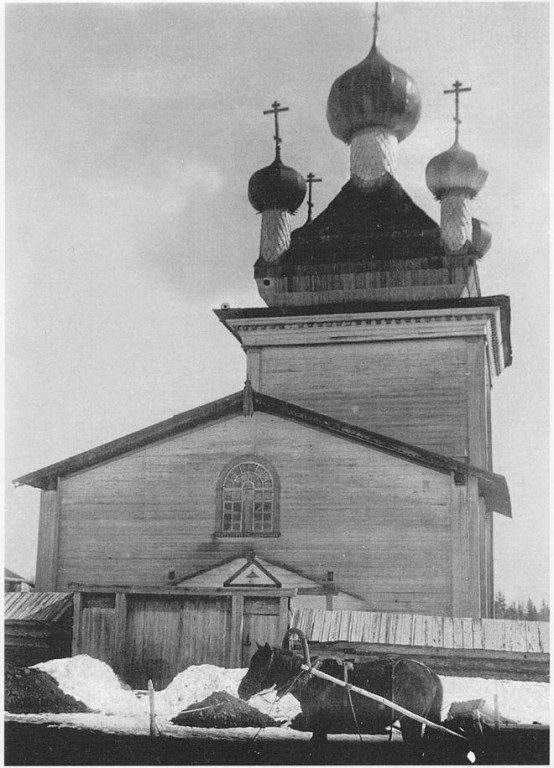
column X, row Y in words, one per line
column 276, row 186
column 455, row 170
column 374, row 93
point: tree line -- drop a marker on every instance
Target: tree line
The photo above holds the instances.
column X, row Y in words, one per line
column 525, row 611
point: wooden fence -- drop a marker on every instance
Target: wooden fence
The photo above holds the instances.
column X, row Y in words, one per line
column 156, row 636
column 452, row 646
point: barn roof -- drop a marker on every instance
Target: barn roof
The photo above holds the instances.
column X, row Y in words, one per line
column 12, row 576
column 492, row 487
column 36, row 606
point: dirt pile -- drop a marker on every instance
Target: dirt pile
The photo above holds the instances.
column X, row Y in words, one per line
column 221, row 710
column 31, row 690
column 199, row 681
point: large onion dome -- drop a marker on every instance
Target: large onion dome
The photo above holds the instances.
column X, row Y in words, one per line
column 455, row 170
column 276, row 186
column 371, row 94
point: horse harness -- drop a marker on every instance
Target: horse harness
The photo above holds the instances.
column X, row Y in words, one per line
column 347, row 666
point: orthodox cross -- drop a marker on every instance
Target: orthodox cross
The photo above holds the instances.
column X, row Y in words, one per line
column 457, row 89
column 311, row 179
column 376, row 19
column 275, row 109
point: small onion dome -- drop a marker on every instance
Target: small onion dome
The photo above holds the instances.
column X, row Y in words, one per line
column 455, row 170
column 276, row 186
column 373, row 93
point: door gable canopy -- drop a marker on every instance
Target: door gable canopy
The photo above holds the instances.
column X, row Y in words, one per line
column 249, row 572
column 252, row 574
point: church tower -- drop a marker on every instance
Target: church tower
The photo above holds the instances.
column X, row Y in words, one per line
column 375, row 314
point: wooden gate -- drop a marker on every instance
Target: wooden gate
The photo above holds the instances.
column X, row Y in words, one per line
column 153, row 637
column 167, row 634
column 95, row 635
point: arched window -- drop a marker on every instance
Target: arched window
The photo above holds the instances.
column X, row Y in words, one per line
column 248, row 499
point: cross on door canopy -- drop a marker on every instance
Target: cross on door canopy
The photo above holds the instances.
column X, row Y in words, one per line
column 252, row 574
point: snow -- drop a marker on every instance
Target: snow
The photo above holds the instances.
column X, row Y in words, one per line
column 121, row 710
column 523, row 701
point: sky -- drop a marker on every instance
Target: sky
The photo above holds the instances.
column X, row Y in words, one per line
column 131, row 133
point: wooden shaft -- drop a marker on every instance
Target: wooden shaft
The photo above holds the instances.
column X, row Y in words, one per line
column 382, row 700
column 154, row 730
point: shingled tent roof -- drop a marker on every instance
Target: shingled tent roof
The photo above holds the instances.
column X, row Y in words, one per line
column 492, row 487
column 381, row 223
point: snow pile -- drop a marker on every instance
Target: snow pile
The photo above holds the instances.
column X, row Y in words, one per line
column 94, row 683
column 523, row 701
column 197, row 682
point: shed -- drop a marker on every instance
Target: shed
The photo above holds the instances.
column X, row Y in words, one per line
column 15, row 583
column 37, row 626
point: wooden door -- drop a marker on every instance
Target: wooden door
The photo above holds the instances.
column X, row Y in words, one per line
column 261, row 624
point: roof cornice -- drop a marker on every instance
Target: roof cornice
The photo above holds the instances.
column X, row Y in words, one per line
column 487, row 316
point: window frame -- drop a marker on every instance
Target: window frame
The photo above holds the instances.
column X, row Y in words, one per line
column 247, row 525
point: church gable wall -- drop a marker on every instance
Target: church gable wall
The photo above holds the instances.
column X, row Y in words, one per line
column 427, row 392
column 380, row 524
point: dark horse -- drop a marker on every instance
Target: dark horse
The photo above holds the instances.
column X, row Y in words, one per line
column 326, row 707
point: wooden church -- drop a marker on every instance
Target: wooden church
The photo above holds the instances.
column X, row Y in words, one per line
column 354, row 470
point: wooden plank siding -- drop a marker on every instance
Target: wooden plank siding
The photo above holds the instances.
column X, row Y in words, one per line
column 47, row 542
column 344, row 508
column 429, row 392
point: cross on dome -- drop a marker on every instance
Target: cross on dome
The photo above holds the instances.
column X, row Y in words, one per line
column 457, row 89
column 275, row 109
column 311, row 179
column 376, row 19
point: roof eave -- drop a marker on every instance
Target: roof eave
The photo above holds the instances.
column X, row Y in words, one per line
column 494, row 490
column 46, row 477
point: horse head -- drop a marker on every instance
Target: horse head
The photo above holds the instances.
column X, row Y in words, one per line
column 271, row 667
column 255, row 679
